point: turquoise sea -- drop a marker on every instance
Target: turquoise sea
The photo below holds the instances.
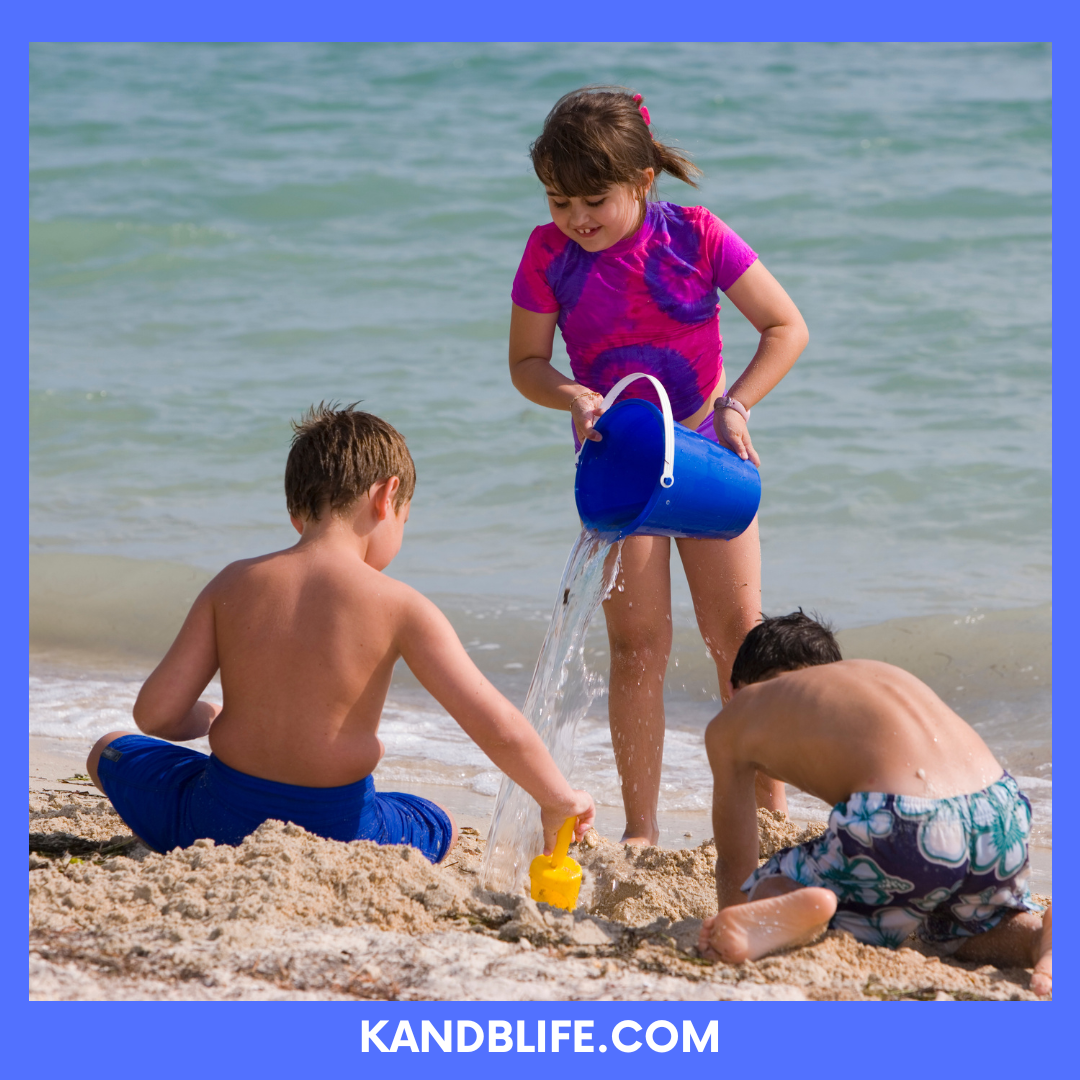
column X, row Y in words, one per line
column 221, row 235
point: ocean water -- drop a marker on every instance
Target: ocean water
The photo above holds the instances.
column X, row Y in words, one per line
column 222, row 235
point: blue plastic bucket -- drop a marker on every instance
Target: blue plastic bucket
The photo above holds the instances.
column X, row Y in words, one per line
column 652, row 477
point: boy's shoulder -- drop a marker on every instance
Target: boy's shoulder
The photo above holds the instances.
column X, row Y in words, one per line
column 241, row 568
column 288, row 565
column 341, row 588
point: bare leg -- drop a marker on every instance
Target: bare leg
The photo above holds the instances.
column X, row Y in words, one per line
column 725, row 582
column 781, row 914
column 454, row 833
column 1020, row 941
column 1042, row 981
column 95, row 755
column 639, row 636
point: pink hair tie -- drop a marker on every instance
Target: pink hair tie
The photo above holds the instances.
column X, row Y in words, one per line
column 636, row 99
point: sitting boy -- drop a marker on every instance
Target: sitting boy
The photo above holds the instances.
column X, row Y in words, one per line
column 306, row 640
column 927, row 833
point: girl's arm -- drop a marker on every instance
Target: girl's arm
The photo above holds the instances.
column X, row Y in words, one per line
column 532, row 335
column 773, row 314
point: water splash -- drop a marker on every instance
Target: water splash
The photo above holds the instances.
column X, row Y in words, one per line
column 561, row 691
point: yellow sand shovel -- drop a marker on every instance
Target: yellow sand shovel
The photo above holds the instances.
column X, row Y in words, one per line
column 556, row 880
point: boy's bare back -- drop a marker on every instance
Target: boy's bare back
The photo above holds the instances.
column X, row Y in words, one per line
column 852, row 725
column 306, row 641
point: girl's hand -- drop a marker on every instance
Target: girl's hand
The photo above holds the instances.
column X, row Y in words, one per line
column 585, row 411
column 732, row 432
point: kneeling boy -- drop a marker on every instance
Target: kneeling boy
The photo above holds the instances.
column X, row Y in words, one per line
column 306, row 640
column 928, row 832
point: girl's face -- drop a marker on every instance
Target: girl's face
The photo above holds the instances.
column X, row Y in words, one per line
column 598, row 221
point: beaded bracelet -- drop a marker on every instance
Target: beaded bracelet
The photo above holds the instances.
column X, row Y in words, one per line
column 585, row 393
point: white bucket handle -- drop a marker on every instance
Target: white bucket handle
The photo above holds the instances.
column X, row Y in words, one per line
column 667, row 478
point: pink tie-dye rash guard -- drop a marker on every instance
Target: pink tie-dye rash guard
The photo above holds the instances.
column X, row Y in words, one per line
column 648, row 303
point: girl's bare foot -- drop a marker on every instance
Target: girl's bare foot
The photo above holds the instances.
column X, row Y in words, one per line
column 755, row 929
column 1042, row 982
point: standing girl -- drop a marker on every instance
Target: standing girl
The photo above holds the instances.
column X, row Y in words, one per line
column 632, row 285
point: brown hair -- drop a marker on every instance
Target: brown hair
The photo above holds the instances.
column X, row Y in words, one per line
column 596, row 137
column 784, row 643
column 337, row 454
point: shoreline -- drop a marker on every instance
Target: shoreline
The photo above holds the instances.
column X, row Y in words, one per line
column 53, row 760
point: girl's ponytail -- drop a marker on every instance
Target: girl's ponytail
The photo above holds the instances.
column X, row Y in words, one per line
column 667, row 159
column 599, row 136
column 677, row 164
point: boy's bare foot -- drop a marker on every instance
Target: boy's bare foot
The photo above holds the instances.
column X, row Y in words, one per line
column 755, row 929
column 1042, row 982
column 636, row 841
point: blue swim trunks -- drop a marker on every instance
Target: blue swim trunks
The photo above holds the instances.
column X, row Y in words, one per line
column 946, row 868
column 170, row 796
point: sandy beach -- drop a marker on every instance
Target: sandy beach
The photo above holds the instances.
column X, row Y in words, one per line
column 288, row 915
column 224, row 234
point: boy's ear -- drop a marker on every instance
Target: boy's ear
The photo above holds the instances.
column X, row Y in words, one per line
column 297, row 524
column 382, row 496
column 731, row 689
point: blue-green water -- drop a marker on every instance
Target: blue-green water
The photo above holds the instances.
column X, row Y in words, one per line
column 222, row 235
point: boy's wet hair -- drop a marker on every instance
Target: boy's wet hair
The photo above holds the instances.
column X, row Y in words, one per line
column 597, row 137
column 783, row 643
column 337, row 454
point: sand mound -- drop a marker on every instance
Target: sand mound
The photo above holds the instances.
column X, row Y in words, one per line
column 777, row 831
column 76, row 823
column 290, row 915
column 279, row 876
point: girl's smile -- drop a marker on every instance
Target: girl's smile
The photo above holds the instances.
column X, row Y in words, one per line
column 598, row 221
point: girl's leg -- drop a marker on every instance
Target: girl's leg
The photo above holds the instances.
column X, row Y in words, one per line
column 725, row 582
column 639, row 636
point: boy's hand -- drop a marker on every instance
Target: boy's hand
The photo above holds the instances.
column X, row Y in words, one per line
column 552, row 818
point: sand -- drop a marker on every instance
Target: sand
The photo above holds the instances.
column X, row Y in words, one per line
column 288, row 915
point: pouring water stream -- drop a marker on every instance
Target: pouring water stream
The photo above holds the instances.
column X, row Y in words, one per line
column 561, row 691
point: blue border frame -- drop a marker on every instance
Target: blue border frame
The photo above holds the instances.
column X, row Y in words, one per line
column 132, row 1038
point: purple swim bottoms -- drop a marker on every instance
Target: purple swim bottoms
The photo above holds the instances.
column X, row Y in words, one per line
column 706, row 428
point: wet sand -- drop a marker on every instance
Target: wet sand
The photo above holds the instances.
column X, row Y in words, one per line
column 291, row 916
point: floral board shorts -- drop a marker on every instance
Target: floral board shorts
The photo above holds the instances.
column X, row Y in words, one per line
column 947, row 869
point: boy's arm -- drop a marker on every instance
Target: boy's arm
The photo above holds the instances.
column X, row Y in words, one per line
column 430, row 647
column 735, row 827
column 168, row 704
